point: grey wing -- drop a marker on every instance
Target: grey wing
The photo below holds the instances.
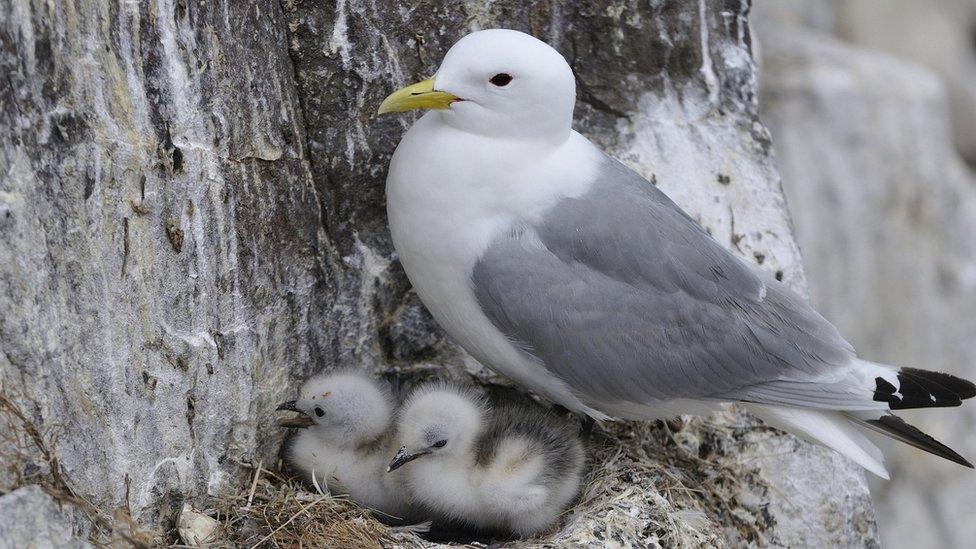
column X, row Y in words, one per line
column 625, row 298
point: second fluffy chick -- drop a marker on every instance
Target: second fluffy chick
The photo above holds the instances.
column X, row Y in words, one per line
column 511, row 466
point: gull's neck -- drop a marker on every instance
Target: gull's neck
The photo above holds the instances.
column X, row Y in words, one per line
column 440, row 170
column 552, row 133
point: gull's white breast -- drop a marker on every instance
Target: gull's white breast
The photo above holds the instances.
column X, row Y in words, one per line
column 450, row 194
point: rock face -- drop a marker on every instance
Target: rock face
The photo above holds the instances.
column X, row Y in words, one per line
column 192, row 219
column 30, row 519
column 885, row 212
column 164, row 271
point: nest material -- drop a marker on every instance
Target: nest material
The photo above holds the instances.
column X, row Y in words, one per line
column 280, row 512
column 678, row 484
column 648, row 485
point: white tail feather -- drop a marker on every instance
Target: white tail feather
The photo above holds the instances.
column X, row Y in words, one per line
column 832, row 429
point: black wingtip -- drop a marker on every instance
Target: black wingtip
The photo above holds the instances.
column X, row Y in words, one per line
column 950, row 384
column 923, row 389
column 899, row 429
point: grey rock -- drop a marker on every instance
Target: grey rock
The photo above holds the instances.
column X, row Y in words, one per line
column 411, row 334
column 30, row 518
column 163, row 275
column 885, row 212
column 193, row 219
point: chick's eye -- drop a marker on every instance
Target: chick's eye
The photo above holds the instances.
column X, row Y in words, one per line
column 439, row 444
column 501, row 79
column 319, row 412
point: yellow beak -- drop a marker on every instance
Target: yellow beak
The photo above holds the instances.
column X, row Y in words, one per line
column 417, row 96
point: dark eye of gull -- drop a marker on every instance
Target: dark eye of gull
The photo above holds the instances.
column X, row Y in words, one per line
column 501, row 79
column 439, row 444
column 319, row 412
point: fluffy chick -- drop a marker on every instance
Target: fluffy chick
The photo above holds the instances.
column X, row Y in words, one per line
column 511, row 467
column 346, row 438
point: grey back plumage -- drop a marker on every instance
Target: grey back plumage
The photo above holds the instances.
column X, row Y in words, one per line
column 514, row 415
column 624, row 297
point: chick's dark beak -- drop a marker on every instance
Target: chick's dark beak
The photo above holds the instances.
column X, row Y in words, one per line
column 301, row 421
column 403, row 457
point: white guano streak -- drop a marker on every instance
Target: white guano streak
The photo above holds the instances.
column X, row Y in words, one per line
column 707, row 71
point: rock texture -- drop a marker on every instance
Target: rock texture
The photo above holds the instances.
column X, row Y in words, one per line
column 164, row 271
column 31, row 519
column 885, row 212
column 192, row 219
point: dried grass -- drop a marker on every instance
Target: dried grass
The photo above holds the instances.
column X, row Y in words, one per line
column 278, row 512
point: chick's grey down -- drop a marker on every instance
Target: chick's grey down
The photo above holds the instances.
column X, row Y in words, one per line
column 562, row 269
column 504, row 465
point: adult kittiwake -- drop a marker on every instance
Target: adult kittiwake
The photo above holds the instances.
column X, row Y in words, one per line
column 560, row 268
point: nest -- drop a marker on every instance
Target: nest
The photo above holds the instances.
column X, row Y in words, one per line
column 650, row 485
column 280, row 512
column 669, row 484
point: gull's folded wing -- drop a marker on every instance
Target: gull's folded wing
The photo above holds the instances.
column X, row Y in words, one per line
column 624, row 297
